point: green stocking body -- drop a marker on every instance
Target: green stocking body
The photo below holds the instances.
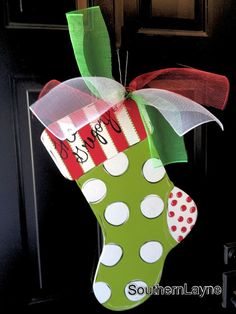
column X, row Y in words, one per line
column 141, row 214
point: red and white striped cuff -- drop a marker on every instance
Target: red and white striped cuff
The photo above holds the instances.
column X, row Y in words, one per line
column 113, row 132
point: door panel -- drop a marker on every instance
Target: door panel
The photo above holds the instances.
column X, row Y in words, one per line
column 60, row 235
column 173, row 14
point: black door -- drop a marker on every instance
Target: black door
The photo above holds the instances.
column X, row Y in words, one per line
column 42, row 255
column 198, row 34
column 49, row 241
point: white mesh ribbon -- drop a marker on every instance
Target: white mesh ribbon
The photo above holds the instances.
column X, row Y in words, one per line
column 180, row 112
column 72, row 104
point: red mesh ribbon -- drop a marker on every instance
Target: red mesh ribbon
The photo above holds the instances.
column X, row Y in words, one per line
column 206, row 88
column 47, row 87
column 64, row 108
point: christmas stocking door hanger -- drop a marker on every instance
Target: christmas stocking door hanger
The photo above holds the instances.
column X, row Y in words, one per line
column 100, row 134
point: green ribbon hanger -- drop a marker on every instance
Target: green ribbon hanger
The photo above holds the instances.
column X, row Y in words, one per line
column 92, row 50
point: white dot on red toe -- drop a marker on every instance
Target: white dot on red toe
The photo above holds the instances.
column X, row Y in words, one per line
column 152, row 206
column 153, row 170
column 151, row 251
column 138, row 286
column 111, row 254
column 117, row 213
column 117, row 165
column 101, row 291
column 94, row 190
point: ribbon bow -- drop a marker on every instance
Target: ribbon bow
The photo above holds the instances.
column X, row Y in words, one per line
column 176, row 93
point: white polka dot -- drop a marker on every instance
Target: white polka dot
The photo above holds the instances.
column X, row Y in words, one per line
column 117, row 213
column 101, row 291
column 153, row 170
column 94, row 190
column 117, row 165
column 152, row 206
column 111, row 254
column 135, row 290
column 151, row 251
